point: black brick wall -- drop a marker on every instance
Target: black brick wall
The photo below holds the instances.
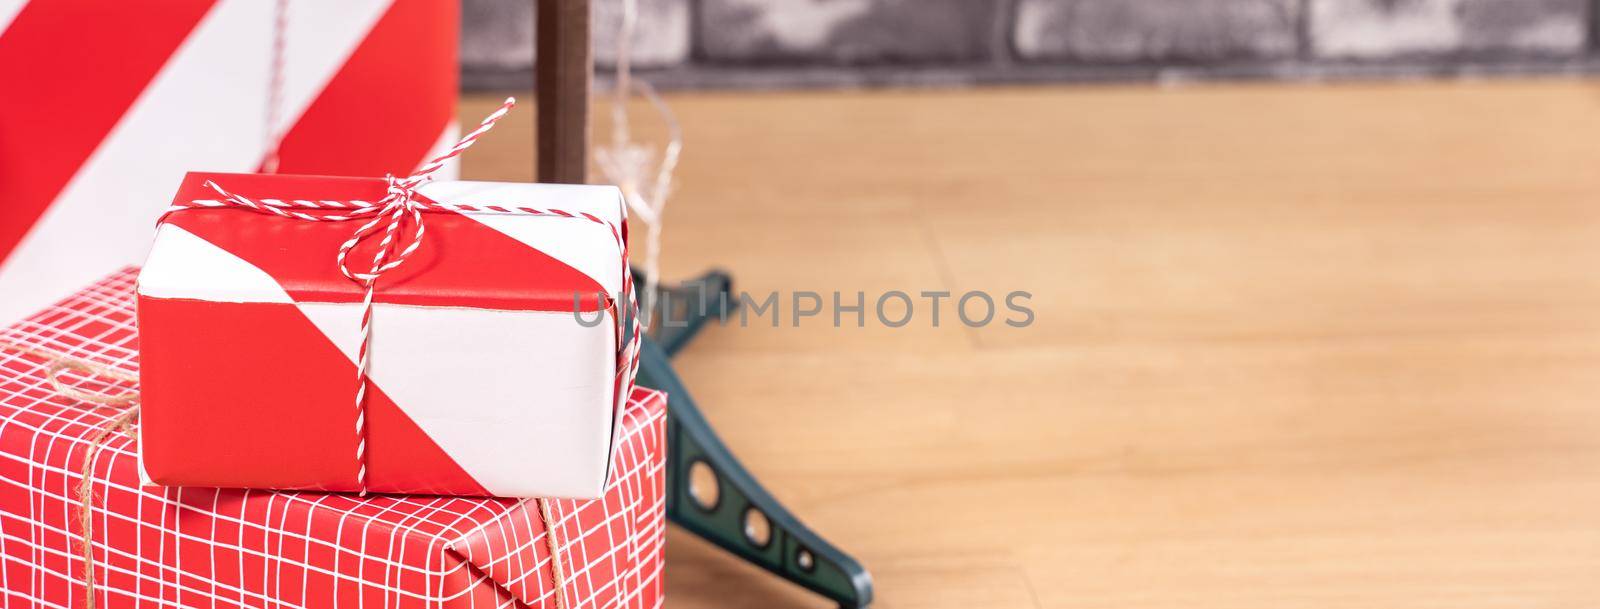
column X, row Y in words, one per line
column 781, row 43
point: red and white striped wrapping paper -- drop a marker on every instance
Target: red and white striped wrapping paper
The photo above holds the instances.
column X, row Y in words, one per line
column 105, row 105
column 482, row 380
column 197, row 547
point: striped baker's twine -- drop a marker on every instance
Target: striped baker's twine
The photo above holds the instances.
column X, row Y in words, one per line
column 274, row 133
column 399, row 207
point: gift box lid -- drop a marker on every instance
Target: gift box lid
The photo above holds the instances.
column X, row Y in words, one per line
column 487, row 260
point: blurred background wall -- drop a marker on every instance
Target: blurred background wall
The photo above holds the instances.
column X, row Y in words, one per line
column 805, row 43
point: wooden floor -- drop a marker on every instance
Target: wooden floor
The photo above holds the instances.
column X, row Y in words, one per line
column 1296, row 346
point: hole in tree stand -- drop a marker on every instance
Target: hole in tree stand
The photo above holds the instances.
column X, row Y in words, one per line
column 757, row 529
column 704, row 487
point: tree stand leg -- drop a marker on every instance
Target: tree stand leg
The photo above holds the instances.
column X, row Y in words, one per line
column 737, row 514
column 742, row 517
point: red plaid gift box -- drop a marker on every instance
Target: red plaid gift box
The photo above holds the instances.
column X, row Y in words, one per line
column 189, row 547
column 105, row 105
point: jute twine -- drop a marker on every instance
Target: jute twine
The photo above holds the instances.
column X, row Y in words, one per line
column 124, row 424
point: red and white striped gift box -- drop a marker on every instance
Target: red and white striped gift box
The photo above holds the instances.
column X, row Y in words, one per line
column 198, row 547
column 105, row 105
column 497, row 355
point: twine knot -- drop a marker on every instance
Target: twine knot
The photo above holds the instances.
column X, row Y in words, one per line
column 391, row 213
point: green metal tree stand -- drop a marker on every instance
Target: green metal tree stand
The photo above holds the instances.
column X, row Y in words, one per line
column 738, row 514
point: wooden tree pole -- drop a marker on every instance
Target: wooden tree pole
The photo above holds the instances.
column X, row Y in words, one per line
column 563, row 69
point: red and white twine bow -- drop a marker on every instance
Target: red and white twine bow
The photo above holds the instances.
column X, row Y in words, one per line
column 398, row 208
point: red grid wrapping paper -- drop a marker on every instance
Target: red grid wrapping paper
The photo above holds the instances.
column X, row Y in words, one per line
column 198, row 547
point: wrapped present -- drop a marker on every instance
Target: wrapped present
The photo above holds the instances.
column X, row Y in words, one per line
column 197, row 547
column 106, row 105
column 497, row 356
column 505, row 349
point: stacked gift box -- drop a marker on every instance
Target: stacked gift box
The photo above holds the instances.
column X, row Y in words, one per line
column 182, row 546
column 155, row 546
